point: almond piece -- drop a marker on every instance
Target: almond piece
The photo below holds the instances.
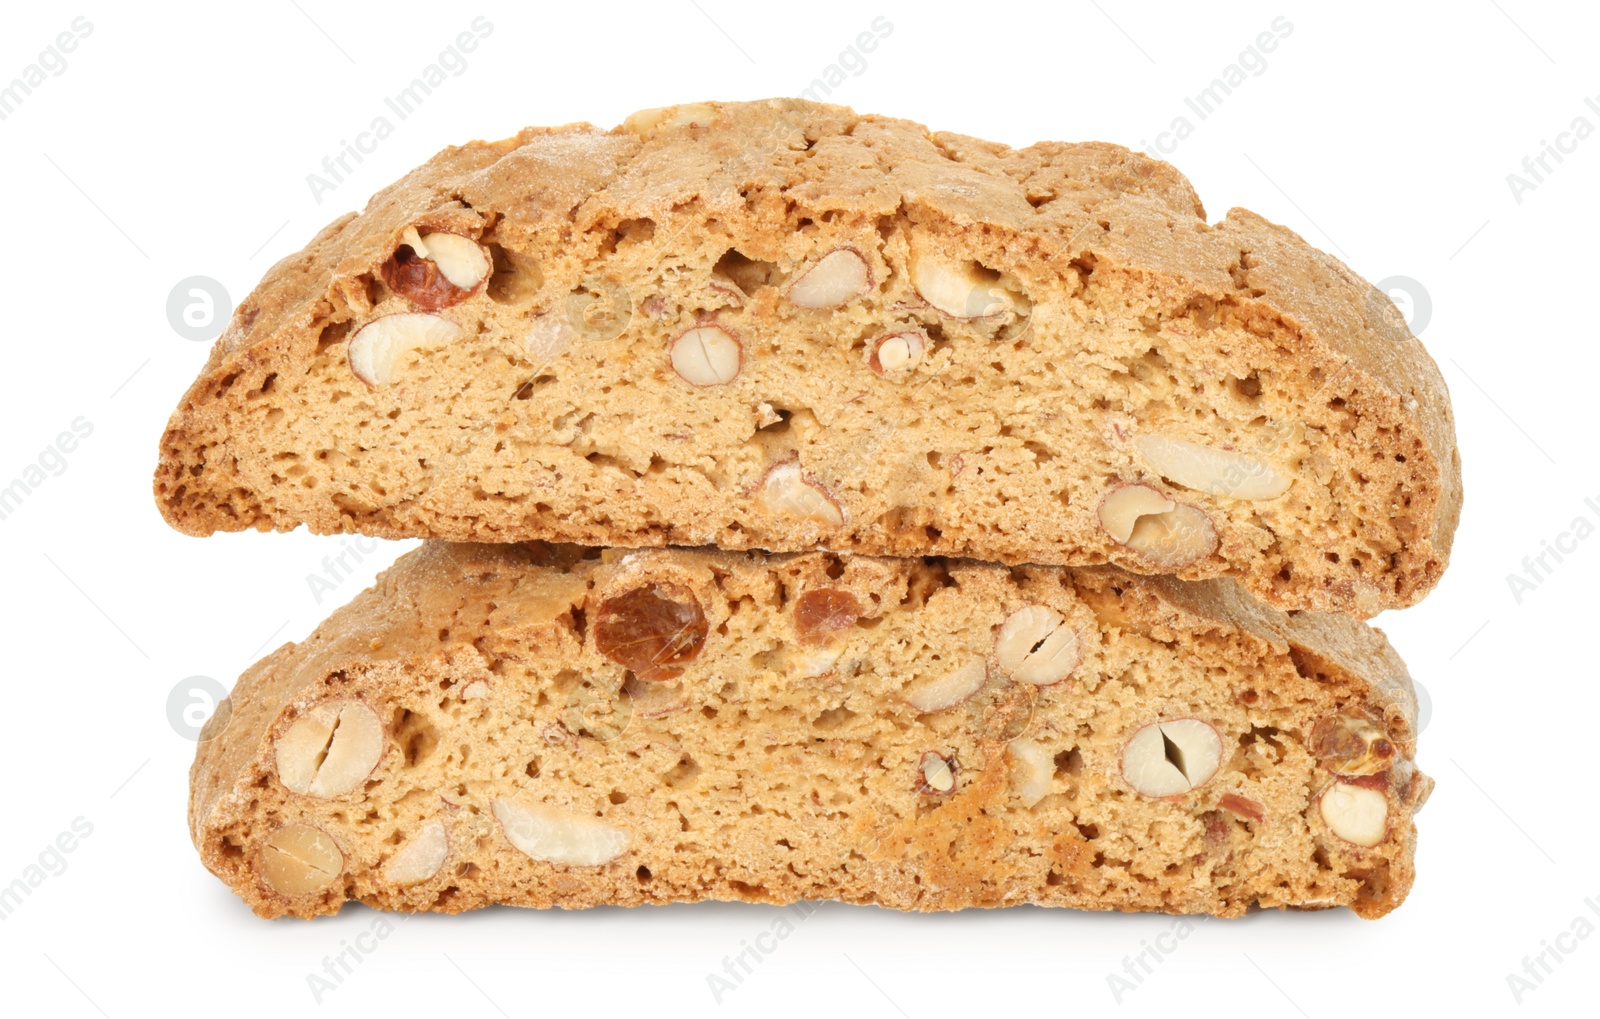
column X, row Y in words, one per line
column 1352, row 745
column 299, row 859
column 375, row 351
column 1032, row 767
column 330, row 750
column 1357, row 814
column 435, row 270
column 419, row 859
column 957, row 287
column 936, row 774
column 559, row 836
column 1215, row 471
column 707, row 355
column 837, row 277
column 1168, row 534
column 944, row 691
column 785, row 492
column 650, row 122
column 1035, row 645
column 1171, row 758
column 895, row 356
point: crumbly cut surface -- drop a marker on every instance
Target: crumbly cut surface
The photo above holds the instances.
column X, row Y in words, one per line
column 784, row 326
column 931, row 734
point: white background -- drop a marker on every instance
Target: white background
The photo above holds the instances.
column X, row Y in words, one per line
column 178, row 144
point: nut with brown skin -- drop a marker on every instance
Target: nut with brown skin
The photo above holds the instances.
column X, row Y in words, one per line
column 1164, row 532
column 824, row 614
column 653, row 630
column 1035, row 645
column 299, row 859
column 1168, row 759
column 895, row 356
column 706, row 356
column 1244, row 806
column 936, row 774
column 1355, row 813
column 1352, row 744
column 330, row 750
column 787, row 492
column 435, row 270
column 837, row 277
column 378, row 347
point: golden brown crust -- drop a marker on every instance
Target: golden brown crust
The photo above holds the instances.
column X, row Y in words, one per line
column 1098, row 236
column 781, row 765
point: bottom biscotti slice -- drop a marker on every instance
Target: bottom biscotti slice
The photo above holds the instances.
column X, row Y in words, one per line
column 553, row 726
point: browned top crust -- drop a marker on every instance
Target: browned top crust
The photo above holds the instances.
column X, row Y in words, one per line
column 1132, row 222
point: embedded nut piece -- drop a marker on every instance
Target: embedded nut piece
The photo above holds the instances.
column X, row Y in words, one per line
column 948, row 689
column 1351, row 745
column 376, row 349
column 559, row 836
column 1168, row 534
column 1037, row 646
column 936, row 774
column 652, row 631
column 823, row 615
column 330, row 750
column 1355, row 813
column 549, row 336
column 436, row 270
column 896, row 355
column 1171, row 758
column 419, row 859
column 646, row 123
column 298, row 859
column 707, row 356
column 837, row 277
column 960, row 288
column 1243, row 806
column 786, row 492
column 1217, row 471
column 476, row 690
column 1031, row 770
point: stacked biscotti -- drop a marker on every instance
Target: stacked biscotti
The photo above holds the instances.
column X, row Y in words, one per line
column 820, row 507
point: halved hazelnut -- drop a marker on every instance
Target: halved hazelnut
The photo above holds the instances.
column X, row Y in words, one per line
column 375, row 350
column 1355, row 813
column 1032, row 767
column 435, row 270
column 559, row 836
column 707, row 356
column 652, row 631
column 936, row 774
column 786, row 492
column 419, row 859
column 1168, row 534
column 839, row 276
column 1217, row 471
column 1350, row 744
column 958, row 287
column 1171, row 758
column 896, row 355
column 1035, row 645
column 947, row 689
column 330, row 750
column 823, row 614
column 299, row 859
column 653, row 121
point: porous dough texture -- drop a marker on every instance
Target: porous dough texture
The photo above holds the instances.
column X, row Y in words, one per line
column 778, row 755
column 1066, row 302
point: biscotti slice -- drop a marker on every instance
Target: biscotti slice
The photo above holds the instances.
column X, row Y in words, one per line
column 780, row 325
column 551, row 726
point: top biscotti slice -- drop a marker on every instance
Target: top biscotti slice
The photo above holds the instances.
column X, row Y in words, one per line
column 781, row 325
